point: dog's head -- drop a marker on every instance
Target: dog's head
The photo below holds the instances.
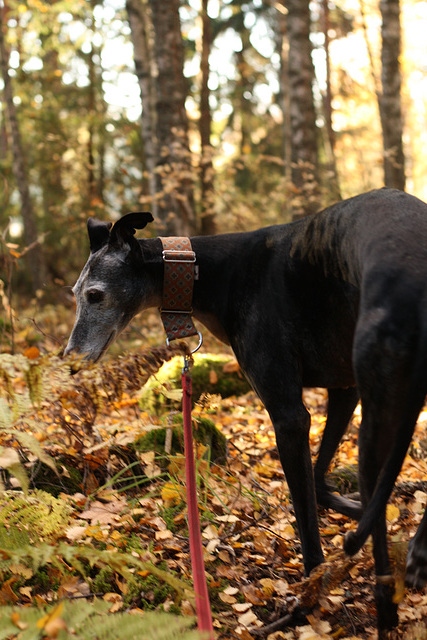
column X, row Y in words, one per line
column 110, row 289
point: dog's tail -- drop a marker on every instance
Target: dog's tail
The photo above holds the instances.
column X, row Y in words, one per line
column 354, row 540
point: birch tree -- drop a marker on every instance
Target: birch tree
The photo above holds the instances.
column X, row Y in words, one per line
column 174, row 172
column 390, row 98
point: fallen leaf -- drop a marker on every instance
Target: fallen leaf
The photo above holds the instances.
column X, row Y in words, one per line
column 75, row 532
column 242, row 606
column 32, row 353
column 224, row 597
column 15, row 619
column 392, row 513
column 172, row 494
column 247, row 619
column 51, row 616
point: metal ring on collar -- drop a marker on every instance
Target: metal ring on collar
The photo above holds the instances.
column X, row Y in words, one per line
column 194, row 350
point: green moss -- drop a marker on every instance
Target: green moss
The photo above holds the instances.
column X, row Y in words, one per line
column 344, row 479
column 147, row 593
column 104, row 581
column 204, row 432
column 168, row 514
column 209, row 373
column 42, row 581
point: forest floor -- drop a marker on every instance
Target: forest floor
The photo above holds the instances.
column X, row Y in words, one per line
column 112, row 500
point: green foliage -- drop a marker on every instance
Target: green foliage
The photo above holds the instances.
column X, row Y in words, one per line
column 21, row 549
column 149, row 592
column 91, row 621
column 103, row 582
column 210, row 373
column 31, row 382
column 344, row 479
column 17, row 408
column 37, row 512
column 204, row 432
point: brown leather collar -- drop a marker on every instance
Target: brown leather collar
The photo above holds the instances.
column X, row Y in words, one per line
column 179, row 275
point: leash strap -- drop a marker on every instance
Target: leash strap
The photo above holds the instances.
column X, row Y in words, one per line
column 203, row 607
column 179, row 273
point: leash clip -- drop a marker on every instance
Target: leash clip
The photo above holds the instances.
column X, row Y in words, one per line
column 194, row 350
column 187, row 364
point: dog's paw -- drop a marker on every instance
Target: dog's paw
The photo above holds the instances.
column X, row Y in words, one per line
column 351, row 543
column 387, row 617
column 416, row 565
column 341, row 504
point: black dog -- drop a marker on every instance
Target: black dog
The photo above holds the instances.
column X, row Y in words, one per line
column 337, row 300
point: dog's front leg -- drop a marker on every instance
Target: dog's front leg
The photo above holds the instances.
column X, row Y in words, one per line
column 278, row 384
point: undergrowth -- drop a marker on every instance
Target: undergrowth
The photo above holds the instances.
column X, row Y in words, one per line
column 47, row 420
column 91, row 621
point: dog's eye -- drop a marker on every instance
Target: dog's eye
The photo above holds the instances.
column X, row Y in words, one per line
column 94, row 295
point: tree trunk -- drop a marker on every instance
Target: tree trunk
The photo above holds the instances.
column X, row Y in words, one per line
column 327, row 102
column 174, row 173
column 304, row 155
column 205, row 122
column 390, row 100
column 282, row 48
column 141, row 33
column 35, row 258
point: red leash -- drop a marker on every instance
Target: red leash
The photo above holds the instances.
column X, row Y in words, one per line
column 176, row 312
column 203, row 607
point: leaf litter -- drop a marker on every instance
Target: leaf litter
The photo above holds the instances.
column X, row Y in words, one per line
column 122, row 501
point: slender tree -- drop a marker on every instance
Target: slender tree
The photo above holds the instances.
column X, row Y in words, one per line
column 304, row 150
column 174, row 173
column 282, row 47
column 205, row 124
column 390, row 98
column 327, row 104
column 142, row 39
column 35, row 258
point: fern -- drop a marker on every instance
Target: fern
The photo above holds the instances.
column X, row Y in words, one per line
column 16, row 408
column 79, row 557
column 13, row 538
column 48, row 380
column 38, row 512
column 91, row 621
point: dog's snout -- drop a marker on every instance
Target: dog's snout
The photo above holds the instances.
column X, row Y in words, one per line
column 71, row 349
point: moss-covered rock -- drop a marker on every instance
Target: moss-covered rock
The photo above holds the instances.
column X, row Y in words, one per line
column 204, row 432
column 211, row 373
column 344, row 479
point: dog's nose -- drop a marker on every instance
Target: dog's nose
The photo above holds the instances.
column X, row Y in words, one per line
column 70, row 349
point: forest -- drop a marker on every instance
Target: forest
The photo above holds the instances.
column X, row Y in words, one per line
column 216, row 116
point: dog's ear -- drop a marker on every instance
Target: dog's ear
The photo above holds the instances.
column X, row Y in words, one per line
column 99, row 233
column 124, row 229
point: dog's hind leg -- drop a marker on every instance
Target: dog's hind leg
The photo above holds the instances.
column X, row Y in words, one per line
column 416, row 563
column 371, row 444
column 383, row 354
column 342, row 403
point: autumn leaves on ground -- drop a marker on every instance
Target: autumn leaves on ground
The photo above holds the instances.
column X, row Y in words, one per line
column 98, row 542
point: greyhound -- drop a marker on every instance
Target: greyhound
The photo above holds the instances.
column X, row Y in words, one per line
column 336, row 300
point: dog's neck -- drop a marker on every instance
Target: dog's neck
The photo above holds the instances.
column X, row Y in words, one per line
column 205, row 301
